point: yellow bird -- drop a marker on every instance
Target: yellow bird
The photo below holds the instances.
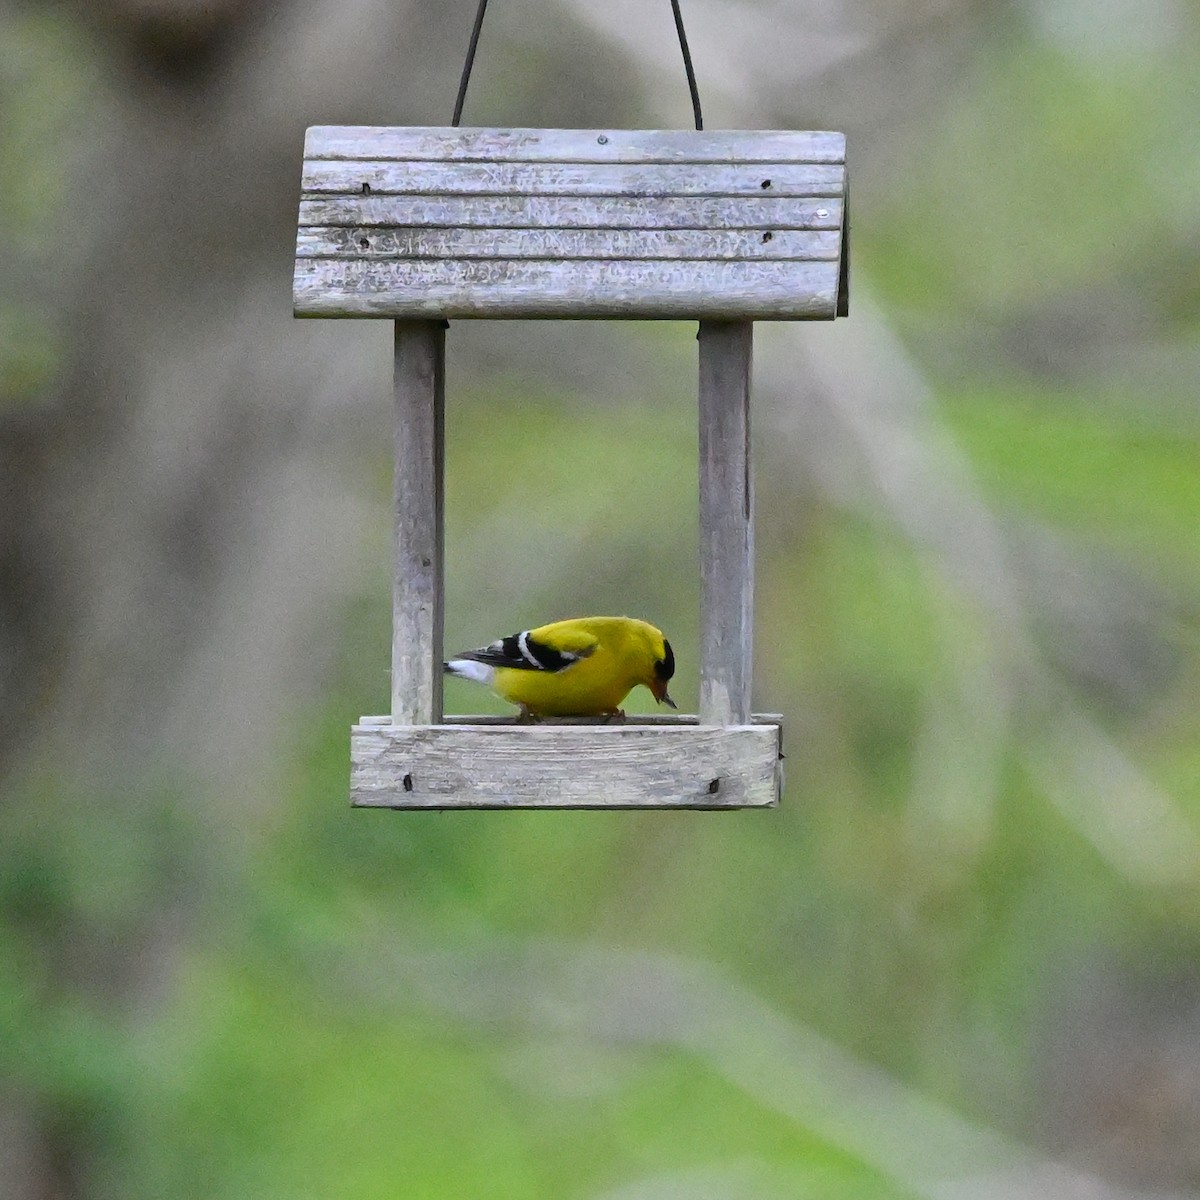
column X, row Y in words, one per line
column 583, row 667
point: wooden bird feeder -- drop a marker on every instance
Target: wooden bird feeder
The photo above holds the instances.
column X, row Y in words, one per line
column 420, row 225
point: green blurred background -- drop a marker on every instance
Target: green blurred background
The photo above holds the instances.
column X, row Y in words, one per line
column 960, row 961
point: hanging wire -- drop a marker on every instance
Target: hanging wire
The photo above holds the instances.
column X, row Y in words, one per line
column 474, row 43
column 470, row 61
column 687, row 64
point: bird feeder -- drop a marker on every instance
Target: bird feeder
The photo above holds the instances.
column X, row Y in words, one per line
column 422, row 225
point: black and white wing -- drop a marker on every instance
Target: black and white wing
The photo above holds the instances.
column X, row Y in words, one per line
column 523, row 652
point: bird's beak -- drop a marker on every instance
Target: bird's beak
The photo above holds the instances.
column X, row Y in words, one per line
column 660, row 694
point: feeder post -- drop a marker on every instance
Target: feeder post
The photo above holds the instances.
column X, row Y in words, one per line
column 417, row 593
column 726, row 523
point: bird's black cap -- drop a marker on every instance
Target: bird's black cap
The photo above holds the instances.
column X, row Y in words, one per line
column 664, row 668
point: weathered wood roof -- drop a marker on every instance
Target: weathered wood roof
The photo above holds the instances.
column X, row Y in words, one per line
column 429, row 222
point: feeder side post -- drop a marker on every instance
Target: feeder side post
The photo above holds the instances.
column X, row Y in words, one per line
column 417, row 593
column 726, row 523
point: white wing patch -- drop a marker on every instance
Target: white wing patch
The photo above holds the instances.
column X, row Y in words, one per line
column 465, row 668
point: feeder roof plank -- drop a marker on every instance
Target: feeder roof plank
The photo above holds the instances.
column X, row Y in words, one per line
column 682, row 290
column 573, row 212
column 704, row 245
column 324, row 177
column 431, row 143
column 557, row 223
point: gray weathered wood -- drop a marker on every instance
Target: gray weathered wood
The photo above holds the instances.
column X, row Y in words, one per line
column 578, row 288
column 544, row 766
column 431, row 143
column 349, row 242
column 425, row 222
column 726, row 523
column 419, row 388
column 384, row 178
column 575, row 212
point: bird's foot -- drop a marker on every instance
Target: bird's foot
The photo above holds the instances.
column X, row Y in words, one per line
column 615, row 717
column 527, row 716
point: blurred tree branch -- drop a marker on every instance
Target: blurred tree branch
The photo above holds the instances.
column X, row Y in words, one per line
column 618, row 998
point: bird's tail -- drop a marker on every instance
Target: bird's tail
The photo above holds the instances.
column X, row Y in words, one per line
column 466, row 668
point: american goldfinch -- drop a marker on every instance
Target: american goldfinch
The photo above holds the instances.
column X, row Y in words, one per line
column 579, row 668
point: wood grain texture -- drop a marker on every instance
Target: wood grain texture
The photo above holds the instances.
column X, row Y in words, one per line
column 544, row 766
column 384, row 178
column 726, row 523
column 573, row 212
column 417, row 223
column 578, row 288
column 350, row 242
column 417, row 593
column 435, row 143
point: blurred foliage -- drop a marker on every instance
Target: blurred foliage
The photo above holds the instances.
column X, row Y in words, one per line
column 919, row 899
column 44, row 74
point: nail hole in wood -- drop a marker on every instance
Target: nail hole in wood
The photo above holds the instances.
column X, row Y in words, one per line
column 714, row 787
column 766, row 183
column 364, row 243
column 408, row 783
column 366, row 188
column 768, row 236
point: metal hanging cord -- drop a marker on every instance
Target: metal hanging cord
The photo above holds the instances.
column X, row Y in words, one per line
column 469, row 63
column 687, row 64
column 474, row 43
